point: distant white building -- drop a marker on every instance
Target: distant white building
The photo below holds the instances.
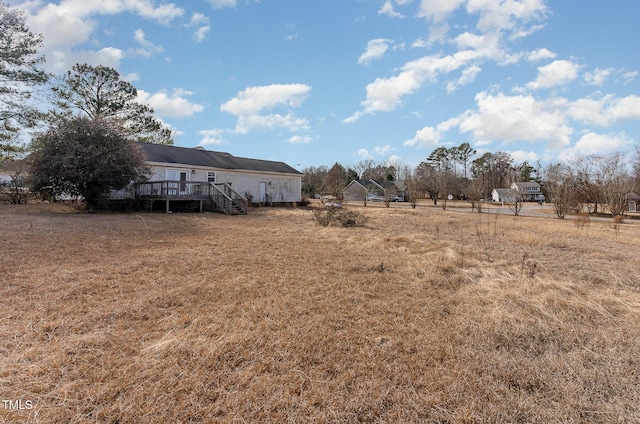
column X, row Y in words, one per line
column 527, row 192
column 503, row 195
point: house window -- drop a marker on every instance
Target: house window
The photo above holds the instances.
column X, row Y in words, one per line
column 211, row 177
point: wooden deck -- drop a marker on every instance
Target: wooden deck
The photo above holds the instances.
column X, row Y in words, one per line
column 224, row 198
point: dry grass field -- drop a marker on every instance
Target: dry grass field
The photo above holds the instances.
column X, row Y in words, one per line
column 420, row 316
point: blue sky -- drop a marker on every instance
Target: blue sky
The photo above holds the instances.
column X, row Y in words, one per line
column 318, row 82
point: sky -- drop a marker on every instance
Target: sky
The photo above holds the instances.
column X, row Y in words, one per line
column 316, row 82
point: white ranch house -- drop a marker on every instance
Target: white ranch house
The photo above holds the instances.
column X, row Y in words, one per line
column 196, row 174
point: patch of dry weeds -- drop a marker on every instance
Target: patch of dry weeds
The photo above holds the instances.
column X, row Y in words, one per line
column 270, row 318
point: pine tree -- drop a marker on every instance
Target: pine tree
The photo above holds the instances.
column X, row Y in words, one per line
column 20, row 73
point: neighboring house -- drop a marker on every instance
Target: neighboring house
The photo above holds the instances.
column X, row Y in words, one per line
column 181, row 173
column 504, row 195
column 5, row 179
column 634, row 201
column 374, row 190
column 356, row 191
column 529, row 192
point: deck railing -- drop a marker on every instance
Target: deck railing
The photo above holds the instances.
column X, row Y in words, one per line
column 174, row 189
column 229, row 200
column 222, row 195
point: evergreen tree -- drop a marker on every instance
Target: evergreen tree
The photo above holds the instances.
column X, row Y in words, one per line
column 97, row 92
column 20, row 72
column 85, row 157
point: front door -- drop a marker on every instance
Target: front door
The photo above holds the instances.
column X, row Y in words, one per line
column 177, row 188
column 263, row 192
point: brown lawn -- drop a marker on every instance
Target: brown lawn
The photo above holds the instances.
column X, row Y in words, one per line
column 421, row 316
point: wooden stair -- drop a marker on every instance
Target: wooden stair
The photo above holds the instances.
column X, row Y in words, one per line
column 228, row 200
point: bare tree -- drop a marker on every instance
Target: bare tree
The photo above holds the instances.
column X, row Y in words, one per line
column 363, row 166
column 313, row 179
column 475, row 192
column 617, row 184
column 560, row 186
column 636, row 169
column 416, row 192
column 336, row 180
column 588, row 173
column 493, row 169
column 516, row 204
column 603, row 179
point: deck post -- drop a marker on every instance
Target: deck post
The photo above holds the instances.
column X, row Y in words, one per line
column 167, row 206
column 200, row 206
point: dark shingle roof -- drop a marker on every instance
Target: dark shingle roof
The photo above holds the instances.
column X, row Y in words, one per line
column 221, row 160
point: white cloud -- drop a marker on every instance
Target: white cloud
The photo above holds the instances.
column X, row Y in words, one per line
column 61, row 27
column 503, row 15
column 219, row 4
column 174, row 105
column 384, row 150
column 385, row 94
column 387, row 9
column 519, row 156
column 467, row 77
column 605, row 111
column 198, row 19
column 593, row 143
column 71, row 23
column 300, row 139
column 61, row 61
column 629, row 76
column 375, row 50
column 426, row 137
column 253, row 100
column 201, row 23
column 364, row 154
column 272, row 121
column 589, row 111
column 438, row 10
column 525, row 32
column 626, row 108
column 201, row 33
column 147, row 48
column 541, row 54
column 517, row 118
column 420, row 43
column 248, row 106
column 132, row 77
column 558, row 72
column 597, row 77
column 211, row 137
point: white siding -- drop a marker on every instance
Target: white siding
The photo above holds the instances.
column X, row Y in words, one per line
column 281, row 187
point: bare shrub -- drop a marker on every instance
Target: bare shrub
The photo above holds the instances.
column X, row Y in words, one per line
column 529, row 266
column 305, row 201
column 487, row 235
column 339, row 217
column 582, row 220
